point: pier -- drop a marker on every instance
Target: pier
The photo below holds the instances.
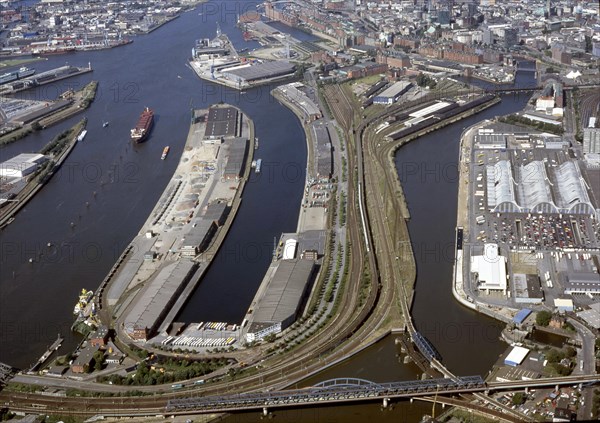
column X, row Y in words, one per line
column 55, row 346
column 44, row 78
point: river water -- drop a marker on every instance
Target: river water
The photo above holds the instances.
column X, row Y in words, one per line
column 121, row 182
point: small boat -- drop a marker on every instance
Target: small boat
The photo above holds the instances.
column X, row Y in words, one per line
column 105, row 124
column 258, row 163
column 164, row 153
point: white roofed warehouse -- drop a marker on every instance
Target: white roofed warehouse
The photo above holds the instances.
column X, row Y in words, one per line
column 21, row 165
column 490, row 269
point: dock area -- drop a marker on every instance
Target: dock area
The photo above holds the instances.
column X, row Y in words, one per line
column 44, row 78
column 51, row 349
column 217, row 61
column 168, row 257
column 6, row 373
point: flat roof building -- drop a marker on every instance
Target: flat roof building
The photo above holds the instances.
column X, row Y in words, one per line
column 198, row 238
column 279, row 303
column 236, row 158
column 582, row 283
column 153, row 303
column 528, row 289
column 516, row 356
column 393, row 93
column 324, row 162
column 21, row 165
column 591, row 316
column 260, row 71
column 490, row 269
column 563, row 304
column 222, row 122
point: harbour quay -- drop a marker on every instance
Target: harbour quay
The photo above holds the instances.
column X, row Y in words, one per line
column 173, row 249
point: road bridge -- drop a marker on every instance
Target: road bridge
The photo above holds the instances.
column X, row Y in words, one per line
column 355, row 390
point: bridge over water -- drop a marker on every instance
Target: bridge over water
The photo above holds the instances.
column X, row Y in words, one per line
column 355, row 390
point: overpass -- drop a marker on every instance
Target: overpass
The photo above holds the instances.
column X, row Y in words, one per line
column 356, row 390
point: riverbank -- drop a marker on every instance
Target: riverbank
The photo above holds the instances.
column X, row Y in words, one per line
column 72, row 104
column 463, row 222
column 404, row 239
column 36, row 182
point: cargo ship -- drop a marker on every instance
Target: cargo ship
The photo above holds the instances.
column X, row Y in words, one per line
column 164, row 153
column 143, row 126
column 23, row 72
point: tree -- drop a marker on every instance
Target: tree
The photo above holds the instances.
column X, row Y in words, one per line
column 554, row 356
column 543, row 318
column 519, row 398
column 570, row 352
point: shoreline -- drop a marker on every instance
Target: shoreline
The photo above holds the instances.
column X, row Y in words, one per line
column 9, row 214
column 462, row 220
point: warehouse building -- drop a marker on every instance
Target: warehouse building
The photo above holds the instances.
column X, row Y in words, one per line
column 516, row 356
column 248, row 74
column 393, row 93
column 236, row 158
column 528, row 289
column 324, row 162
column 198, row 238
column 21, row 165
column 152, row 306
column 279, row 302
column 217, row 212
column 582, row 283
column 490, row 269
column 536, row 187
column 222, row 122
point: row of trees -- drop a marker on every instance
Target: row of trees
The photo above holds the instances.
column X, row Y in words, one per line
column 167, row 372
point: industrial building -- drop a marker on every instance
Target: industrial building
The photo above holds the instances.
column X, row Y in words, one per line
column 537, row 187
column 527, row 288
column 150, row 309
column 393, row 93
column 203, row 229
column 222, row 122
column 564, row 304
column 236, row 158
column 521, row 316
column 490, row 269
column 21, row 165
column 582, row 283
column 516, row 356
column 278, row 303
column 250, row 73
column 324, row 162
column 293, row 92
column 198, row 238
column 591, row 316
